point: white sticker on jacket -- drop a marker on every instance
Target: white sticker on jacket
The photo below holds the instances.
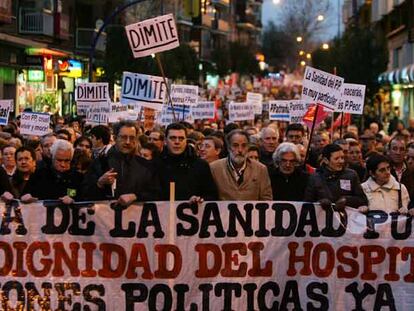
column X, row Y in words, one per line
column 345, row 184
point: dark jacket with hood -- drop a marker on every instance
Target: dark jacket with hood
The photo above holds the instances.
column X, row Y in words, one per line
column 326, row 184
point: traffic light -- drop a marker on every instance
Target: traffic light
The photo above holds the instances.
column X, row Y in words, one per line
column 192, row 8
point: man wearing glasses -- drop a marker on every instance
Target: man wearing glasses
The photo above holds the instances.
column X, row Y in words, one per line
column 179, row 164
column 121, row 174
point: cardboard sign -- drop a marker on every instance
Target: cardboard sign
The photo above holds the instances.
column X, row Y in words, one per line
column 204, row 110
column 256, row 100
column 353, row 99
column 279, row 110
column 148, row 91
column 5, row 108
column 184, row 94
column 98, row 113
column 182, row 113
column 152, row 36
column 241, row 111
column 92, row 92
column 297, row 110
column 120, row 112
column 82, row 108
column 322, row 88
column 35, row 124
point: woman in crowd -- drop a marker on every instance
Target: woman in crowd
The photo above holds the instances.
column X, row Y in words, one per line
column 9, row 160
column 333, row 183
column 383, row 191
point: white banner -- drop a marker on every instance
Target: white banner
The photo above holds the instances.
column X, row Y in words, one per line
column 241, row 111
column 152, row 35
column 279, row 110
column 353, row 99
column 92, row 92
column 204, row 110
column 215, row 256
column 297, row 110
column 148, row 91
column 184, row 94
column 5, row 108
column 34, row 123
column 255, row 99
column 320, row 87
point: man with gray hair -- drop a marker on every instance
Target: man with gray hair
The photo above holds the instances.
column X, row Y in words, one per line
column 237, row 177
column 58, row 181
column 287, row 176
column 268, row 144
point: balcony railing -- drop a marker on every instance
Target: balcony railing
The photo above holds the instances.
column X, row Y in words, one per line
column 84, row 38
column 32, row 21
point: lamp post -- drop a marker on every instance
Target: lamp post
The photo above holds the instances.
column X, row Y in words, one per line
column 101, row 29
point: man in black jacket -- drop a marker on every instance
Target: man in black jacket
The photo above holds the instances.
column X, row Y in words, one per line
column 179, row 164
column 121, row 173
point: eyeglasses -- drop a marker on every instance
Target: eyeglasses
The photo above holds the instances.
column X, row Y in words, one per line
column 174, row 138
column 126, row 137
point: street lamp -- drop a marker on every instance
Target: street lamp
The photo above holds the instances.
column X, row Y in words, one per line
column 301, row 52
column 325, row 46
column 308, row 56
column 276, row 2
column 303, row 63
column 320, row 18
column 299, row 39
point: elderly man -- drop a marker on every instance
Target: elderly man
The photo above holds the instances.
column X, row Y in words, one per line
column 121, row 173
column 237, row 177
column 58, row 181
column 268, row 144
column 287, row 177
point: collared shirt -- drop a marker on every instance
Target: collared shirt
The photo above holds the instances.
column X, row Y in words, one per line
column 236, row 173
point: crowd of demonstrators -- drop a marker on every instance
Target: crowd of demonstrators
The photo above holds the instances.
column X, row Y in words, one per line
column 207, row 161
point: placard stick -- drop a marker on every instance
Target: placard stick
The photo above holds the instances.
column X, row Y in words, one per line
column 166, row 84
column 311, row 133
column 342, row 124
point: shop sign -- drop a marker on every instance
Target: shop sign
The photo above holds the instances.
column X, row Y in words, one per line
column 35, row 75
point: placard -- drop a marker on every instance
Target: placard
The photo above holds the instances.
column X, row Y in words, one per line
column 145, row 90
column 241, row 111
column 120, row 112
column 353, row 99
column 322, row 88
column 204, row 110
column 98, row 113
column 5, row 109
column 297, row 110
column 182, row 113
column 152, row 36
column 279, row 110
column 34, row 123
column 92, row 92
column 184, row 94
column 255, row 99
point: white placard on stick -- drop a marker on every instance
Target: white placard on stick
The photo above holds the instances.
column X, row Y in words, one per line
column 34, row 123
column 241, row 111
column 182, row 113
column 92, row 92
column 255, row 99
column 204, row 110
column 98, row 113
column 184, row 94
column 320, row 87
column 5, row 108
column 120, row 112
column 148, row 91
column 152, row 35
column 82, row 108
column 353, row 99
column 279, row 110
column 297, row 110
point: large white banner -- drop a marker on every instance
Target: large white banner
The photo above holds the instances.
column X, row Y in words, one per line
column 320, row 87
column 152, row 35
column 215, row 256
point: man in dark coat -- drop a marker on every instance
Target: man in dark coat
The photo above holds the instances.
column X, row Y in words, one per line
column 121, row 174
column 179, row 164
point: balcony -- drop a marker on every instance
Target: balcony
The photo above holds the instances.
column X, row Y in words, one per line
column 84, row 38
column 35, row 22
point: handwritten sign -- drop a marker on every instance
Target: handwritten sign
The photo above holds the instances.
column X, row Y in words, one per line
column 204, row 110
column 148, row 91
column 184, row 94
column 353, row 99
column 120, row 112
column 322, row 88
column 255, row 99
column 98, row 113
column 35, row 124
column 92, row 92
column 241, row 111
column 297, row 110
column 5, row 108
column 182, row 113
column 152, row 36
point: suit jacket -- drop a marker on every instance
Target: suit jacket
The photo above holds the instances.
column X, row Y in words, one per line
column 255, row 186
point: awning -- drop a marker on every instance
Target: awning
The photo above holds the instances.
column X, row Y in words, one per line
column 398, row 76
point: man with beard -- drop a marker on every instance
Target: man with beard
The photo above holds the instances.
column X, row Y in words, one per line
column 237, row 177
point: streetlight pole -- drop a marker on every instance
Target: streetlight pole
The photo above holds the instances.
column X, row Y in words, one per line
column 101, row 29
